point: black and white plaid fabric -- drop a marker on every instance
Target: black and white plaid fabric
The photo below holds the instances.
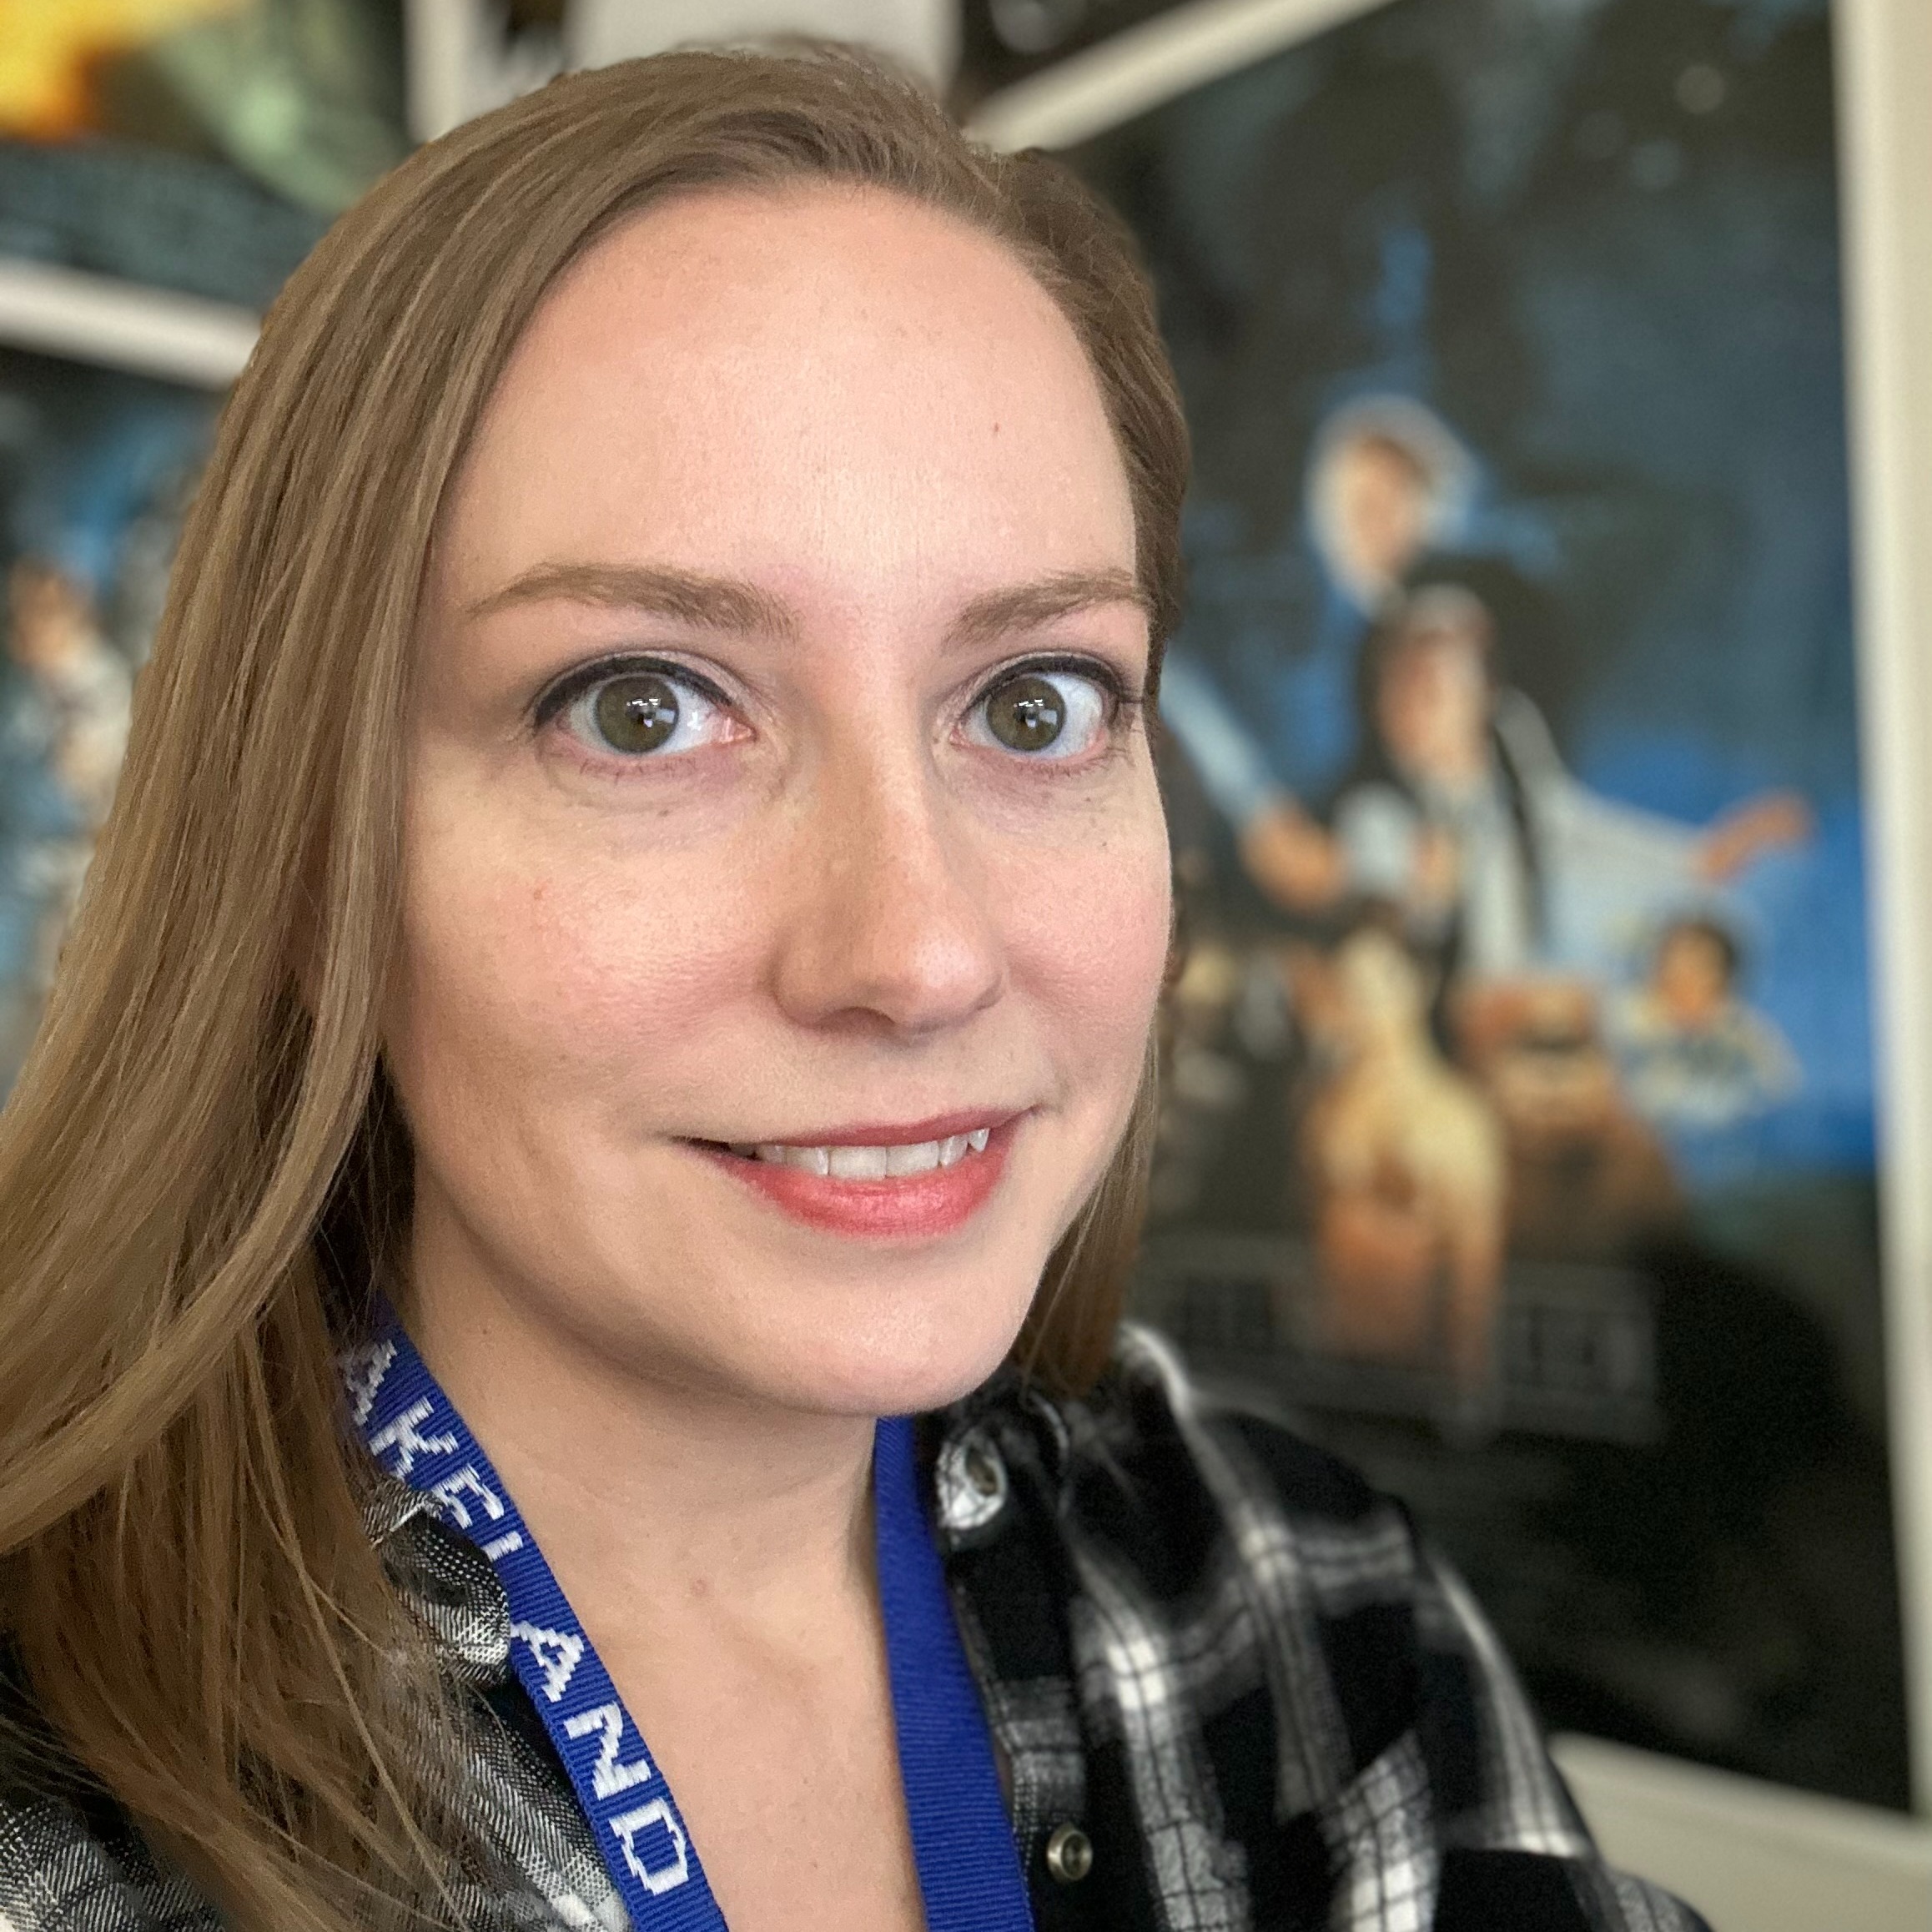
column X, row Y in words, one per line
column 1213, row 1658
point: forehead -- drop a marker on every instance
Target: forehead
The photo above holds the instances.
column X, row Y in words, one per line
column 818, row 388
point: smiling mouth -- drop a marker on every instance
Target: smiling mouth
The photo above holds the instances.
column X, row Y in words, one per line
column 867, row 1163
column 911, row 1182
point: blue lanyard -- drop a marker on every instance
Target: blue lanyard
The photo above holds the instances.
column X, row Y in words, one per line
column 968, row 1869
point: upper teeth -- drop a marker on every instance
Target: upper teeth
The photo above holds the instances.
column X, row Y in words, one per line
column 869, row 1163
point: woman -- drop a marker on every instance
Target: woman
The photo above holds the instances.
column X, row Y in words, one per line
column 631, row 924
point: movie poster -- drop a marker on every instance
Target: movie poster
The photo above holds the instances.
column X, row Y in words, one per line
column 1519, row 1133
column 96, row 470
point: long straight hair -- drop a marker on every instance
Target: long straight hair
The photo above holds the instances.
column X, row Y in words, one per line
column 201, row 1150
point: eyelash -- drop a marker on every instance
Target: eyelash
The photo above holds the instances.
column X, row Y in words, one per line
column 556, row 699
column 1094, row 670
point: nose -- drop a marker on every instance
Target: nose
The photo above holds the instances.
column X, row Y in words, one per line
column 892, row 927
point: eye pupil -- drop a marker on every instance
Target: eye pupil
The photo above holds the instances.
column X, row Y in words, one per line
column 636, row 714
column 1026, row 715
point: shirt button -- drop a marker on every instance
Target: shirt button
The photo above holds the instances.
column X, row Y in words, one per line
column 970, row 1480
column 986, row 1478
column 1069, row 1853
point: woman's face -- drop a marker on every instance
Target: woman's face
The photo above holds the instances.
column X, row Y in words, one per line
column 785, row 887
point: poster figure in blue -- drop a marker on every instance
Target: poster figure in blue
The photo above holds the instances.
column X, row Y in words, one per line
column 1387, row 483
column 1517, row 1130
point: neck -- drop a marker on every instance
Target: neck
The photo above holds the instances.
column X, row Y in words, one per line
column 650, row 1496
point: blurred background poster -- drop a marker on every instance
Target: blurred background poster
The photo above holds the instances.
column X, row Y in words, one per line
column 1518, row 1138
column 163, row 165
column 96, row 469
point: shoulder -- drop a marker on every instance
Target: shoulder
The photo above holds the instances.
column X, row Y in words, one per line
column 1300, row 1559
column 1267, row 1649
column 70, row 1856
column 1367, row 1637
column 1151, row 1460
column 1245, row 1575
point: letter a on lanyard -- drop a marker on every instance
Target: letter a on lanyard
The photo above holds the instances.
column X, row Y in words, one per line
column 969, row 1873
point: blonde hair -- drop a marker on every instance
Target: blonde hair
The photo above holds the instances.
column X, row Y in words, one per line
column 200, row 1162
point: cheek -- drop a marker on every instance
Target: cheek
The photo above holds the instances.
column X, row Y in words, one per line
column 1087, row 931
column 539, row 982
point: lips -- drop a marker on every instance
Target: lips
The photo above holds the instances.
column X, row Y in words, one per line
column 913, row 1183
column 891, row 1162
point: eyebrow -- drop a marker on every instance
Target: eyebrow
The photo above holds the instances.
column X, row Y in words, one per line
column 1027, row 607
column 708, row 603
column 713, row 603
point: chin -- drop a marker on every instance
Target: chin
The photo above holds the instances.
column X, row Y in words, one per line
column 809, row 1319
column 920, row 1357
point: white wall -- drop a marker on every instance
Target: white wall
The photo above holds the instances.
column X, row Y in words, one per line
column 1751, row 1857
column 1884, row 74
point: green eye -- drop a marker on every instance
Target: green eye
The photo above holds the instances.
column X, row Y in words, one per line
column 640, row 715
column 1054, row 714
column 1027, row 714
column 636, row 712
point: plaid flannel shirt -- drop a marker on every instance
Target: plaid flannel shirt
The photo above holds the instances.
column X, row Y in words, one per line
column 1229, row 1688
